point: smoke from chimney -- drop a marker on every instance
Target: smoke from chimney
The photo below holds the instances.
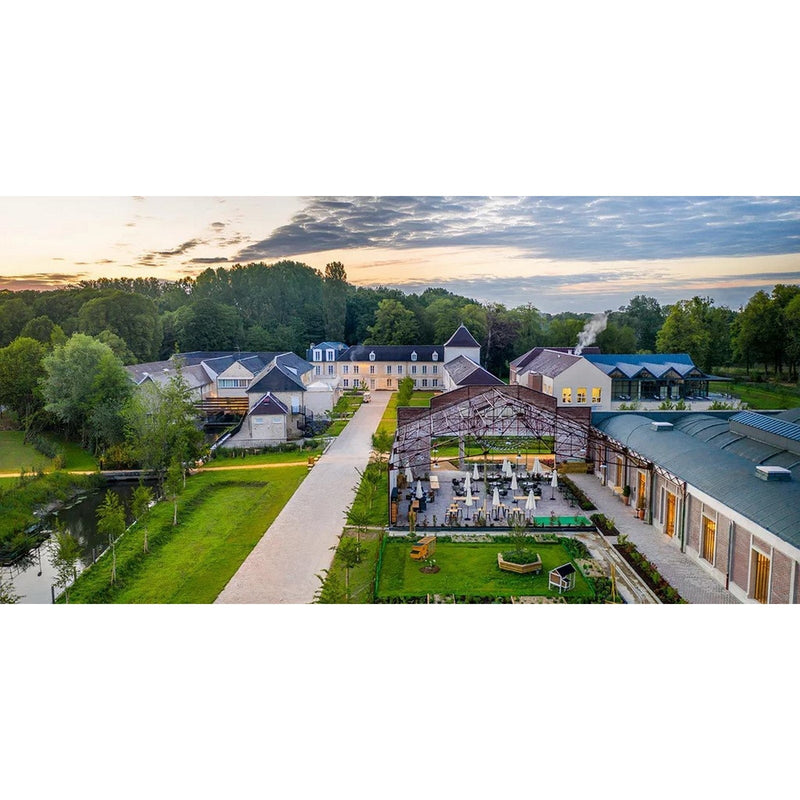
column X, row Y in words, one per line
column 597, row 324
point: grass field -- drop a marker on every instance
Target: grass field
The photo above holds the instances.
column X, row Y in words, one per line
column 221, row 517
column 288, row 457
column 469, row 569
column 765, row 395
column 362, row 576
column 15, row 455
column 389, row 419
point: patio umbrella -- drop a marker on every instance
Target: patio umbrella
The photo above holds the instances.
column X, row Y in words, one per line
column 468, row 501
column 553, row 484
column 418, row 493
column 530, row 503
column 475, row 475
column 467, row 484
column 514, row 483
column 495, row 497
column 409, row 475
column 536, row 469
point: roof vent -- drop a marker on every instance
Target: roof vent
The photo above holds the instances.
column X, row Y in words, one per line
column 773, row 473
column 661, row 426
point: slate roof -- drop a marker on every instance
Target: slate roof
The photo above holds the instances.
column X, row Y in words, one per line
column 269, row 405
column 699, row 451
column 657, row 364
column 462, row 338
column 391, row 352
column 466, row 372
column 278, row 378
column 194, row 377
column 140, row 371
column 551, row 362
column 522, row 361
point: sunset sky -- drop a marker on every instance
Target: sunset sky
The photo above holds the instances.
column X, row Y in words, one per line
column 558, row 253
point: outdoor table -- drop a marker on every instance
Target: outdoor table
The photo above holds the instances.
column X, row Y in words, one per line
column 434, row 481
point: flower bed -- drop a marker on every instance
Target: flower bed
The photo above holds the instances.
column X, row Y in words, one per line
column 583, row 501
column 521, row 563
column 648, row 572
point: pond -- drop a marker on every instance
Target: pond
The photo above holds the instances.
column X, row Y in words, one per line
column 33, row 576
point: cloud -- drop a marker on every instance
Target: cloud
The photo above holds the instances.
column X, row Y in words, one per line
column 565, row 228
column 40, row 280
column 180, row 249
column 218, row 225
column 130, row 224
column 218, row 260
column 105, row 261
column 57, row 258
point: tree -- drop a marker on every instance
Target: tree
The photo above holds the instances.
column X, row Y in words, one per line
column 645, row 316
column 14, row 315
column 111, row 523
column 405, row 389
column 760, row 331
column 501, row 334
column 394, row 324
column 334, row 301
column 792, row 322
column 132, row 317
column 695, row 327
column 349, row 553
column 7, row 593
column 83, row 381
column 118, row 346
column 44, row 330
column 173, row 485
column 616, row 339
column 21, row 371
column 141, row 500
column 64, row 554
column 207, row 325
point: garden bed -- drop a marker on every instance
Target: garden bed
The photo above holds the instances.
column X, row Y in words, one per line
column 648, row 572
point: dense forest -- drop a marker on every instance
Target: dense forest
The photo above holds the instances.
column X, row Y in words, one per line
column 62, row 351
column 288, row 305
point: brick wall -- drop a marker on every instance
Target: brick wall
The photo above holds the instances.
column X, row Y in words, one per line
column 761, row 545
column 721, row 554
column 741, row 558
column 781, row 577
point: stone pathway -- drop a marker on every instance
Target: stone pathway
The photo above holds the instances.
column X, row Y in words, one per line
column 690, row 580
column 283, row 566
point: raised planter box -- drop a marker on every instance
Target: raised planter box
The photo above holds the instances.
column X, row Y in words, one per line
column 521, row 569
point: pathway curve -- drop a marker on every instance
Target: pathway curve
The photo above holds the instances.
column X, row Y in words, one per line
column 283, row 566
column 690, row 580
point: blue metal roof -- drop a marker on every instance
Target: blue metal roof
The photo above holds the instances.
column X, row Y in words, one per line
column 780, row 427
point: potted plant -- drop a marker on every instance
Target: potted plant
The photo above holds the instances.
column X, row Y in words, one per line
column 626, row 494
column 641, row 504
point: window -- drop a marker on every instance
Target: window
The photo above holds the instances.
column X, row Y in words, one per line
column 414, row 356
column 346, row 383
column 413, row 369
column 399, row 369
column 435, row 382
column 435, row 357
column 566, row 395
column 345, row 369
column 318, row 370
column 709, row 539
column 330, row 355
column 760, row 571
column 424, row 369
column 233, row 383
column 355, row 369
column 318, row 355
column 295, row 404
column 388, row 383
column 331, row 369
column 388, row 369
column 372, row 356
column 424, row 382
column 435, row 369
column 371, row 369
column 581, row 394
column 596, row 394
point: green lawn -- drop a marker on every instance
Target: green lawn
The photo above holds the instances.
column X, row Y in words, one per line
column 497, row 446
column 15, row 455
column 378, row 506
column 221, row 517
column 362, row 576
column 288, row 457
column 764, row 395
column 469, row 569
column 389, row 419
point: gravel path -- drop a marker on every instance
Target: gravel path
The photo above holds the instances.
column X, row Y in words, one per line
column 283, row 566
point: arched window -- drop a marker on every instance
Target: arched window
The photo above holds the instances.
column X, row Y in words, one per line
column 414, row 356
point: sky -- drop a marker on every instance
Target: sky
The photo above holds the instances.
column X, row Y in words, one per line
column 569, row 253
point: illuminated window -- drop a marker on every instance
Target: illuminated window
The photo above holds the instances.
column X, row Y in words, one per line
column 597, row 395
column 566, row 395
column 581, row 394
column 709, row 539
column 760, row 576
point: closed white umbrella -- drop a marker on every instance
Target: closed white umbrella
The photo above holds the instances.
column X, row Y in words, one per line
column 530, row 503
column 553, row 484
column 418, row 493
column 468, row 503
column 409, row 476
column 475, row 475
column 496, row 497
column 514, row 483
column 467, row 484
column 536, row 469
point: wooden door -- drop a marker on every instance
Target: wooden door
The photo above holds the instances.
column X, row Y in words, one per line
column 669, row 527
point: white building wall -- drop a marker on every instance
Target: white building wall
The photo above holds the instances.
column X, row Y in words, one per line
column 235, row 371
column 587, row 375
column 472, row 353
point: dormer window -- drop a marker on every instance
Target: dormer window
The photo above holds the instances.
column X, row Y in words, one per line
column 330, row 355
column 317, row 355
column 414, row 356
column 435, row 356
column 372, row 356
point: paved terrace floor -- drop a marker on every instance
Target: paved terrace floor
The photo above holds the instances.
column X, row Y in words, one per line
column 283, row 566
column 691, row 581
